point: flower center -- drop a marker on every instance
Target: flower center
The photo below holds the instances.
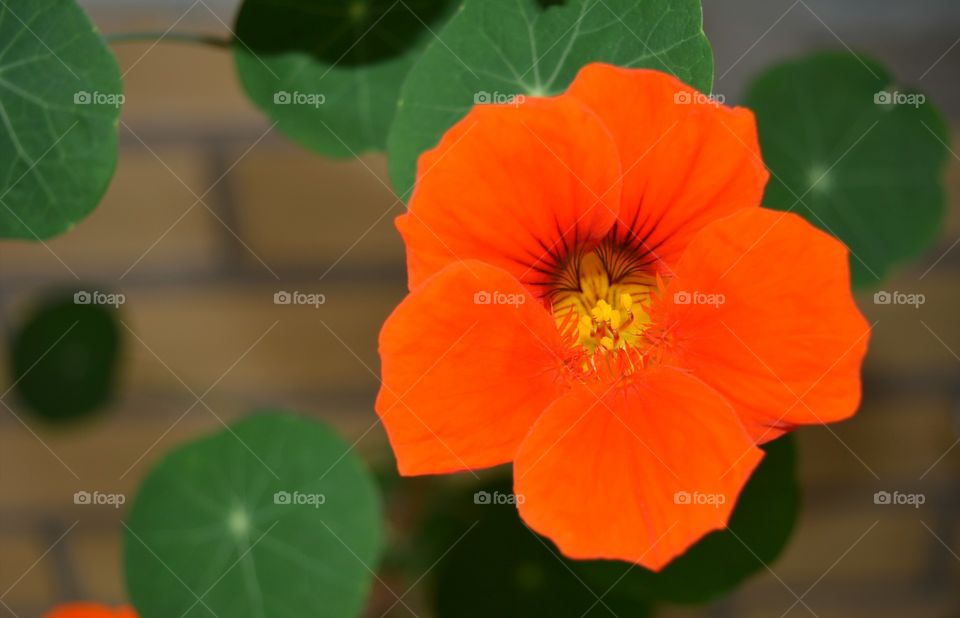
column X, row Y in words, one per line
column 600, row 298
column 610, row 327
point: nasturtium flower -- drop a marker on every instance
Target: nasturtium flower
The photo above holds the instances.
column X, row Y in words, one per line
column 597, row 297
column 89, row 610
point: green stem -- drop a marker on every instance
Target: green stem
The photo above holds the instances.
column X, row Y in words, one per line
column 173, row 37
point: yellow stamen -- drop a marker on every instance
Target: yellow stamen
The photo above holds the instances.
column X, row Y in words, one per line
column 615, row 320
column 609, row 309
column 601, row 312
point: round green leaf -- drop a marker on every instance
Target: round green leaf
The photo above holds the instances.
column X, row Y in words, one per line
column 494, row 50
column 488, row 563
column 270, row 517
column 60, row 97
column 857, row 155
column 329, row 71
column 65, row 359
column 758, row 530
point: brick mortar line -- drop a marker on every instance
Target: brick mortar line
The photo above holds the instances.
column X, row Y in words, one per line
column 252, row 274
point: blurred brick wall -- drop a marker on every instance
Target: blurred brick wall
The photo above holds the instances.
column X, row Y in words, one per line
column 200, row 275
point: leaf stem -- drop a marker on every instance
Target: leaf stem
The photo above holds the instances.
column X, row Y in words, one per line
column 173, row 37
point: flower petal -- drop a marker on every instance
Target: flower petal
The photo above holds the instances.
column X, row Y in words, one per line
column 761, row 310
column 89, row 610
column 469, row 360
column 637, row 473
column 686, row 160
column 514, row 186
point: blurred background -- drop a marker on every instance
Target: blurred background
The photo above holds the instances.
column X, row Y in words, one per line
column 211, row 213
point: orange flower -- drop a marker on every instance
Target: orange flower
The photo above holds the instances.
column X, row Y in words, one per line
column 89, row 610
column 597, row 297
